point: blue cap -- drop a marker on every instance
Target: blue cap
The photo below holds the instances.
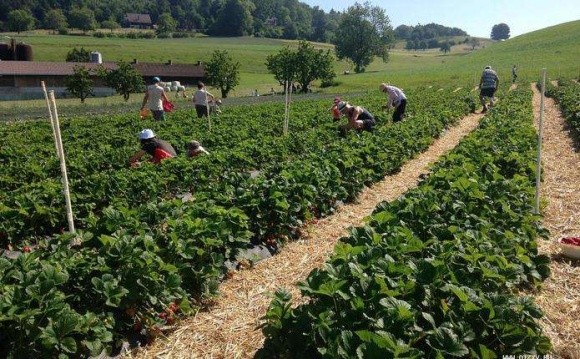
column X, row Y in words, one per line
column 156, row 79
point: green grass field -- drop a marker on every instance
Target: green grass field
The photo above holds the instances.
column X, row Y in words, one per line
column 554, row 48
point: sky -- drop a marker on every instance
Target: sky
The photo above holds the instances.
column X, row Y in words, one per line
column 474, row 17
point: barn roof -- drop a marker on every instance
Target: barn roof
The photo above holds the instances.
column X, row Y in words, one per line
column 135, row 18
column 37, row 68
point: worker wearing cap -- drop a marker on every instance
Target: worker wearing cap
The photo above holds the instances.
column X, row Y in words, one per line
column 154, row 97
column 488, row 85
column 358, row 117
column 396, row 99
column 194, row 148
column 157, row 148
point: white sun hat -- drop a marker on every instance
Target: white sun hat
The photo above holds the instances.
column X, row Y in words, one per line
column 146, row 134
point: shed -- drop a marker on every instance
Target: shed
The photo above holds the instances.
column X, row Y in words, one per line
column 138, row 21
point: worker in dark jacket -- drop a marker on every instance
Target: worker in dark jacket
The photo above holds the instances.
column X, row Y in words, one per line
column 157, row 148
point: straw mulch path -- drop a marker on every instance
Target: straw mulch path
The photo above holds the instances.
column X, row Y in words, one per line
column 559, row 296
column 228, row 329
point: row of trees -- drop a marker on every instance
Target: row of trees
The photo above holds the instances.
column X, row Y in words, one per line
column 221, row 71
column 125, row 80
column 288, row 19
column 431, row 44
column 426, row 32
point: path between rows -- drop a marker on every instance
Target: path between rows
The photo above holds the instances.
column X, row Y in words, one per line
column 229, row 328
column 559, row 297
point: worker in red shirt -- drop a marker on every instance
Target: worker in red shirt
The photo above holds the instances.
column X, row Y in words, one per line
column 157, row 148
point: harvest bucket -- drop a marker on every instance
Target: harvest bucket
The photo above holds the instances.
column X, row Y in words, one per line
column 570, row 247
column 168, row 106
column 144, row 113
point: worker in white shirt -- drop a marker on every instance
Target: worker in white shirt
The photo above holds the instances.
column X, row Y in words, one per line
column 396, row 99
column 201, row 101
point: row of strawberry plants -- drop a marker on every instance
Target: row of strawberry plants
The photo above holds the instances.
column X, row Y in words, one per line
column 81, row 299
column 103, row 144
column 34, row 209
column 567, row 93
column 136, row 267
column 435, row 273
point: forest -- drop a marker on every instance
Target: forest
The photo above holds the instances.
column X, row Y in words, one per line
column 282, row 19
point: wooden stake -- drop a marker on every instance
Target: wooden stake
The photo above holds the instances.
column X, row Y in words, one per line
column 51, row 118
column 63, row 171
column 540, row 136
column 207, row 111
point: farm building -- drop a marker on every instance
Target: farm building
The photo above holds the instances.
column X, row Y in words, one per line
column 137, row 21
column 22, row 79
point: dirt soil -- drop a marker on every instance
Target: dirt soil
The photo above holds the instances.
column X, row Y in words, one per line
column 228, row 328
column 559, row 297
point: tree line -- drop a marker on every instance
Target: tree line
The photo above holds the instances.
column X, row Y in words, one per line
column 283, row 19
column 426, row 32
column 287, row 19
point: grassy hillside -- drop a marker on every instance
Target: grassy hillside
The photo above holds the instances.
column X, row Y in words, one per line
column 555, row 48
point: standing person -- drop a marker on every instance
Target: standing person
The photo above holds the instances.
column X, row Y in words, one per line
column 154, row 97
column 358, row 117
column 157, row 148
column 194, row 148
column 397, row 99
column 514, row 74
column 488, row 84
column 200, row 100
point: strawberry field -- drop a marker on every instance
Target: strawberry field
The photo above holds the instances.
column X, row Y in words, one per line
column 142, row 256
column 436, row 273
column 567, row 93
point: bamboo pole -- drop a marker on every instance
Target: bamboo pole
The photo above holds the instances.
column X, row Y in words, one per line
column 540, row 136
column 289, row 102
column 286, row 96
column 63, row 171
column 51, row 118
column 207, row 111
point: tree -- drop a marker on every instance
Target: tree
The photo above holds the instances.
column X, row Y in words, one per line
column 363, row 33
column 500, row 32
column 80, row 84
column 474, row 42
column 76, row 55
column 82, row 19
column 55, row 20
column 403, row 32
column 282, row 65
column 304, row 65
column 234, row 19
column 124, row 79
column 20, row 20
column 445, row 47
column 222, row 72
column 110, row 24
column 166, row 24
